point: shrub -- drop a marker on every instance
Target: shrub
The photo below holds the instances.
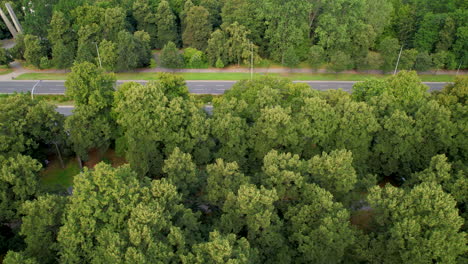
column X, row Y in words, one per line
column 153, row 63
column 5, row 57
column 423, row 62
column 316, row 56
column 170, row 56
column 340, row 61
column 290, row 58
column 197, row 60
column 219, row 63
column 45, row 63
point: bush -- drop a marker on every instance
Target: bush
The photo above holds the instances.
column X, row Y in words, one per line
column 407, row 60
column 219, row 63
column 153, row 63
column 45, row 63
column 5, row 57
column 170, row 56
column 33, row 51
column 423, row 62
column 340, row 61
column 373, row 61
column 316, row 56
column 188, row 54
column 290, row 58
column 197, row 60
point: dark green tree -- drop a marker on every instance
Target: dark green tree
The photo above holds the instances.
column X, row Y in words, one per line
column 167, row 30
column 33, row 50
column 197, row 28
column 170, row 56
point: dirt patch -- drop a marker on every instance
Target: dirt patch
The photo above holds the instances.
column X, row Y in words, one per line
column 109, row 157
column 362, row 219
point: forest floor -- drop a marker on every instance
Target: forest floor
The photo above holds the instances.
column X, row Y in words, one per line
column 53, row 175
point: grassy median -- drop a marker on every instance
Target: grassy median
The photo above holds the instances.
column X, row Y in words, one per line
column 148, row 76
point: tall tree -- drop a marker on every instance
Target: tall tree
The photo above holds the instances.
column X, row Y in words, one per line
column 223, row 178
column 108, row 55
column 113, row 217
column 63, row 40
column 252, row 213
column 167, row 30
column 114, row 21
column 145, row 16
column 91, row 126
column 37, row 13
column 33, row 50
column 418, row 226
column 287, row 26
column 181, row 171
column 127, row 54
column 41, row 221
column 19, row 182
column 197, row 28
column 318, row 227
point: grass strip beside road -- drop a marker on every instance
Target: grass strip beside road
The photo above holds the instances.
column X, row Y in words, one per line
column 148, row 76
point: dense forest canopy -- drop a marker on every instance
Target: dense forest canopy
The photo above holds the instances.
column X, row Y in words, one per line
column 278, row 173
column 337, row 34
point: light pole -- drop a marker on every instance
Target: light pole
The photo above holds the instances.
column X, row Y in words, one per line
column 34, row 87
column 251, row 60
column 398, row 61
column 99, row 56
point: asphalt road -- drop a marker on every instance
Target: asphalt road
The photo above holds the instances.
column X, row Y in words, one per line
column 196, row 87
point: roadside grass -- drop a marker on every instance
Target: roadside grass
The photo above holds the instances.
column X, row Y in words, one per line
column 234, row 76
column 5, row 70
column 55, row 175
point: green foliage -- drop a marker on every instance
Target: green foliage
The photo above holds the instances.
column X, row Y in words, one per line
column 372, row 61
column 423, row 62
column 18, row 183
column 290, row 58
column 223, row 178
column 193, row 58
column 181, row 171
column 197, row 28
column 340, row 61
column 33, row 50
column 112, row 216
column 88, row 85
column 5, row 57
column 18, row 258
column 166, row 105
column 408, row 59
column 219, row 63
column 90, row 126
column 167, row 30
column 27, row 124
column 318, row 216
column 416, row 226
column 45, row 63
column 216, row 50
column 389, row 48
column 316, row 56
column 170, row 56
column 127, row 56
column 108, row 54
column 224, row 249
column 40, row 224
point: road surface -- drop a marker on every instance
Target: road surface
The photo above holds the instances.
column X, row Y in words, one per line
column 195, row 87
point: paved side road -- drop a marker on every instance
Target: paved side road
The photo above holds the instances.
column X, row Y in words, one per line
column 196, row 87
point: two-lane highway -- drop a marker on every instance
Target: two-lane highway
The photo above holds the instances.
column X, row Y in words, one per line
column 195, row 87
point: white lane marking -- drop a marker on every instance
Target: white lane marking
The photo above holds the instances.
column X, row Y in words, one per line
column 218, row 85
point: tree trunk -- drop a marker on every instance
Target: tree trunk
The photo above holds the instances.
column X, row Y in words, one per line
column 79, row 162
column 59, row 155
